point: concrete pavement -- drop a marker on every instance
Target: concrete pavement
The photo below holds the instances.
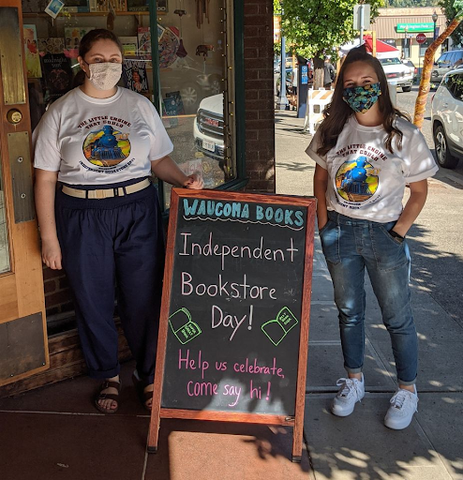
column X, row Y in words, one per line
column 55, row 433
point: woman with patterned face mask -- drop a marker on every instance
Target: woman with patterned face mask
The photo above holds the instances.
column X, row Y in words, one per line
column 366, row 152
column 99, row 215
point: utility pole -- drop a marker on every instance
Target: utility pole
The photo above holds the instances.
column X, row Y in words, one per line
column 361, row 19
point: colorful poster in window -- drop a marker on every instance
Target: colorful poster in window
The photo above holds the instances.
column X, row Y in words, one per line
column 72, row 37
column 168, row 46
column 31, row 51
column 51, row 45
column 54, row 8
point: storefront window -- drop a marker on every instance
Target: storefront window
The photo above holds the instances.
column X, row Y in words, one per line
column 193, row 89
column 4, row 250
column 194, row 92
column 190, row 81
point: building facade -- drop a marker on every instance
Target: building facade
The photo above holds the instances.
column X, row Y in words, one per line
column 212, row 83
column 400, row 26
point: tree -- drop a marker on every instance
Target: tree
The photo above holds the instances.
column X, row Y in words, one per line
column 451, row 8
column 420, row 104
column 318, row 27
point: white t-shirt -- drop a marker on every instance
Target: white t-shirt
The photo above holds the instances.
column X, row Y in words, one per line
column 92, row 141
column 365, row 180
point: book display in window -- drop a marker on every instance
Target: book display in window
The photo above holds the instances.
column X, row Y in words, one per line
column 129, row 45
column 104, row 5
column 134, row 75
column 31, row 50
column 76, row 6
column 57, row 74
column 143, row 5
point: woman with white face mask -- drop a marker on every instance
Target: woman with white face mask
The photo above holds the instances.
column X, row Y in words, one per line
column 99, row 215
column 366, row 152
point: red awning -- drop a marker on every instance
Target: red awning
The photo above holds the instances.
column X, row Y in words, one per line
column 381, row 47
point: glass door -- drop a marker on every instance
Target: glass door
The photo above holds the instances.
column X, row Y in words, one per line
column 23, row 335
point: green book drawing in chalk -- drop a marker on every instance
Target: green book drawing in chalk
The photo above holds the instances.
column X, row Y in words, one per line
column 277, row 329
column 183, row 327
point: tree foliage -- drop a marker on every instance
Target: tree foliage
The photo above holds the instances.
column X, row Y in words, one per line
column 452, row 8
column 316, row 27
column 412, row 3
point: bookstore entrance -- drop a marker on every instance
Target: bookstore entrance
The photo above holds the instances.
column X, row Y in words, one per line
column 177, row 53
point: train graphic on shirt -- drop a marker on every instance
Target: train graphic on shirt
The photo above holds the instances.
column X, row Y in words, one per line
column 357, row 180
column 106, row 147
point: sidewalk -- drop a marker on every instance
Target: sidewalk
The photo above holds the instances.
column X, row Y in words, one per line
column 359, row 446
column 55, row 433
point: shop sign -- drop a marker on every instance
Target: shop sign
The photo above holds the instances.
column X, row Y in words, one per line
column 415, row 27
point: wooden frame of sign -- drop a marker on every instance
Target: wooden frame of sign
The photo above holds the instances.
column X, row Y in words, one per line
column 235, row 313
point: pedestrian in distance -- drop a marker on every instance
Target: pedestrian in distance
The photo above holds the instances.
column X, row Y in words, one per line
column 329, row 74
column 294, row 79
column 99, row 214
column 366, row 152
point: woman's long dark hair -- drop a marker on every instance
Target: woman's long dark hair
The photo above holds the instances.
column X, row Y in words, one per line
column 338, row 111
column 86, row 44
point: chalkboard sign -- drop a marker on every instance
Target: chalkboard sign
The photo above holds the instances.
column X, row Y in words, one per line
column 233, row 337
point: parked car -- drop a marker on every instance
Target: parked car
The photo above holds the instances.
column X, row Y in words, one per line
column 447, row 119
column 208, row 128
column 446, row 62
column 397, row 73
column 407, row 62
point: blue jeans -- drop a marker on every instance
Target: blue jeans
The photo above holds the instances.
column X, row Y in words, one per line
column 350, row 245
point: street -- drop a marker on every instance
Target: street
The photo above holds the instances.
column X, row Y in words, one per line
column 435, row 239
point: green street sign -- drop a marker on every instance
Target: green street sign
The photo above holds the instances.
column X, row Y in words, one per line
column 415, row 27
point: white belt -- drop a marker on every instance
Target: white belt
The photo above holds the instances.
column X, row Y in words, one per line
column 106, row 192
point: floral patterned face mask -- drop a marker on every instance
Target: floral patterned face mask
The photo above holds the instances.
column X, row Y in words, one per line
column 361, row 99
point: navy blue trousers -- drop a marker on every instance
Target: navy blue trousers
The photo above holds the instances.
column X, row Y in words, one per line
column 109, row 242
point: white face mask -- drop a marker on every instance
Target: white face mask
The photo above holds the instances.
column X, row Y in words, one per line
column 104, row 76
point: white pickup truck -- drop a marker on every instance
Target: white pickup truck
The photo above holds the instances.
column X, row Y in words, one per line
column 208, row 129
column 397, row 73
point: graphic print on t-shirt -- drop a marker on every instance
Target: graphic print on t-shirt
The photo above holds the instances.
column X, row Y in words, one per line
column 357, row 180
column 106, row 147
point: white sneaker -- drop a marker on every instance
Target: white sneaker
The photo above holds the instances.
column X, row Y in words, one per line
column 403, row 406
column 351, row 392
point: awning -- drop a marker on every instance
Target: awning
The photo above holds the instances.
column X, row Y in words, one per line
column 381, row 47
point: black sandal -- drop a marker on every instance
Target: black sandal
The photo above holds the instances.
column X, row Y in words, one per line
column 146, row 398
column 108, row 396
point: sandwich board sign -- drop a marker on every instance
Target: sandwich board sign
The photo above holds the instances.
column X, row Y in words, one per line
column 234, row 324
